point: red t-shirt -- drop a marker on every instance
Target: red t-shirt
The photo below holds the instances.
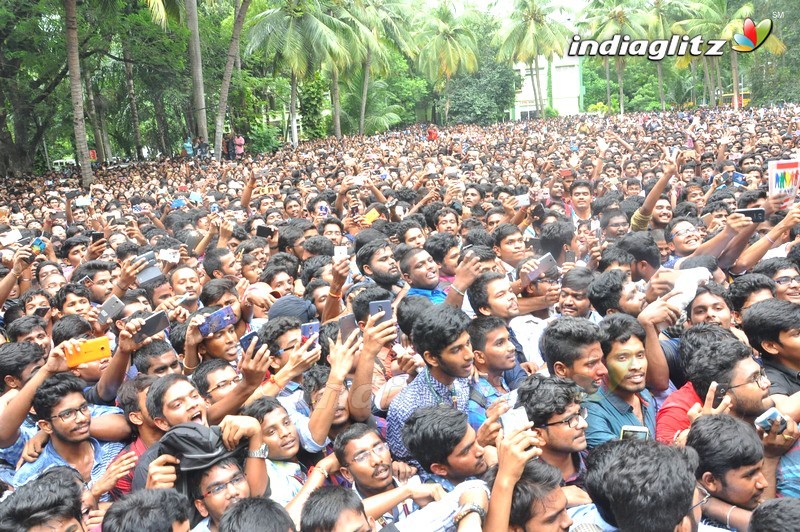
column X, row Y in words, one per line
column 672, row 417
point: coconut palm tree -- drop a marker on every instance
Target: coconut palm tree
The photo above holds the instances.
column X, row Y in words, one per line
column 607, row 18
column 159, row 10
column 447, row 46
column 659, row 17
column 298, row 34
column 532, row 31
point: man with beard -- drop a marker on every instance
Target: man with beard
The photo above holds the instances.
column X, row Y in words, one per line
column 571, row 348
column 624, row 400
column 445, row 445
column 63, row 414
column 376, row 261
column 574, row 300
column 186, row 284
column 98, row 279
column 554, row 406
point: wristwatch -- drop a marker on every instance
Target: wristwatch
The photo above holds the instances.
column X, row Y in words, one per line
column 467, row 509
column 262, row 452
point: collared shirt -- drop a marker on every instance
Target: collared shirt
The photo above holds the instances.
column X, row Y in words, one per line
column 483, row 388
column 203, row 526
column 439, row 517
column 787, row 476
column 785, row 381
column 399, row 512
column 430, row 478
column 123, row 486
column 104, row 454
column 528, row 330
column 285, row 480
column 608, row 413
column 589, row 514
column 423, row 391
column 673, row 415
column 291, row 397
column 436, row 296
column 579, row 477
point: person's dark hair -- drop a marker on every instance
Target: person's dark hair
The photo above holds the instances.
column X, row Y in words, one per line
column 313, row 286
column 70, row 288
column 257, row 514
column 325, row 505
column 55, row 495
column 409, row 310
column 431, row 434
column 555, row 236
column 713, row 289
column 606, row 290
column 641, row 485
column 700, row 261
column 674, row 223
column 365, row 254
column 619, row 328
column 34, row 292
column 364, row 298
column 578, row 279
column 70, row 243
column 285, row 260
column 642, row 246
column 478, row 237
column 204, row 369
column 92, row 268
column 212, row 261
column 274, row 329
column 770, row 267
column 545, row 397
column 52, row 391
column 143, row 357
column 288, row 236
column 155, row 395
column 147, row 510
column 723, row 443
column 613, row 254
column 214, row 289
column 537, row 481
column 127, row 396
column 439, row 244
column 744, row 286
column 764, row 321
column 312, row 268
column 565, row 338
column 443, row 326
column 478, row 291
column 504, row 231
column 698, row 336
column 715, row 362
column 319, row 245
column 271, row 272
column 15, row 357
column 479, row 329
column 404, row 227
column 482, row 253
column 775, row 515
column 261, row 407
column 353, row 432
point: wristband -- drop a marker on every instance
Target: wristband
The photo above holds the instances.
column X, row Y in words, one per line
column 770, row 240
column 320, row 469
column 459, row 292
column 334, row 295
column 728, row 518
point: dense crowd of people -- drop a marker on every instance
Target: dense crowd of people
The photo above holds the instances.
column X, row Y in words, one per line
column 580, row 323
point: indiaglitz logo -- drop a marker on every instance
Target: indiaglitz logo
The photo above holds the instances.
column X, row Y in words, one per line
column 754, row 35
column 623, row 45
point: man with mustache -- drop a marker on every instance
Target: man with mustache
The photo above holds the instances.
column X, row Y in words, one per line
column 623, row 400
column 376, row 260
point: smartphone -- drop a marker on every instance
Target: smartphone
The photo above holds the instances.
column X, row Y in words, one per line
column 634, row 432
column 149, row 257
column 90, row 351
column 371, row 216
column 347, row 324
column 72, row 194
column 83, row 201
column 383, row 305
column 248, row 339
column 765, row 420
column 173, row 256
column 148, row 274
column 569, row 256
column 96, row 235
column 154, row 324
column 218, row 320
column 340, row 252
column 265, row 231
column 523, row 200
column 110, row 309
column 38, row 246
column 538, row 211
column 41, row 311
column 756, row 215
column 354, row 211
column 10, row 237
column 546, row 263
column 177, row 203
column 214, row 208
column 513, row 420
column 307, row 330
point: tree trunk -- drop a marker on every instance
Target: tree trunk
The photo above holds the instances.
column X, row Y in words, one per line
column 540, row 104
column 101, row 118
column 446, row 100
column 236, row 8
column 362, row 117
column 532, row 75
column 712, row 97
column 735, row 76
column 196, row 65
column 76, row 90
column 608, row 82
column 92, row 112
column 693, row 66
column 137, row 133
column 293, row 109
column 161, row 124
column 661, row 86
column 233, row 53
column 621, row 84
column 336, row 103
column 719, row 75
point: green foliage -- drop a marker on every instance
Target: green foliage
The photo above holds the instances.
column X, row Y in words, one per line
column 405, row 89
column 312, row 101
column 598, row 107
column 264, row 138
column 549, row 112
column 381, row 113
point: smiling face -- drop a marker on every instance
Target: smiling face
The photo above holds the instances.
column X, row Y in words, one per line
column 280, row 435
column 685, row 239
column 423, row 272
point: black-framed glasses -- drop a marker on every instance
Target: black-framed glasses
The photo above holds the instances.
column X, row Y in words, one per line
column 572, row 421
column 72, row 413
column 216, row 489
column 224, row 384
column 704, row 500
column 761, row 380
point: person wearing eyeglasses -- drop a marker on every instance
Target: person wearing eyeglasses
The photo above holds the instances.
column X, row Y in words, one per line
column 786, row 275
column 555, row 407
column 215, row 490
column 623, row 399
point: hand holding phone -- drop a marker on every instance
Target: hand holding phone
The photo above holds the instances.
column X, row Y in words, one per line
column 383, row 305
column 89, row 351
column 153, row 325
column 307, row 330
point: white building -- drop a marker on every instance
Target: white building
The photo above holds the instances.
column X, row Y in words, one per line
column 562, row 77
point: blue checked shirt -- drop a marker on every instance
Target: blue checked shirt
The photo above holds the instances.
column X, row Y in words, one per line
column 423, row 391
column 608, row 413
column 476, row 412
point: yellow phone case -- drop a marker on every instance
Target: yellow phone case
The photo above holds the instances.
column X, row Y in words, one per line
column 90, row 350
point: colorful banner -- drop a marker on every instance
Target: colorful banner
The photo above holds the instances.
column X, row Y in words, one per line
column 784, row 177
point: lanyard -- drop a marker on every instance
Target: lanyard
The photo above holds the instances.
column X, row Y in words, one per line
column 453, row 396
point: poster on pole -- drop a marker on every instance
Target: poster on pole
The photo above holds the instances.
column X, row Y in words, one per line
column 784, row 177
